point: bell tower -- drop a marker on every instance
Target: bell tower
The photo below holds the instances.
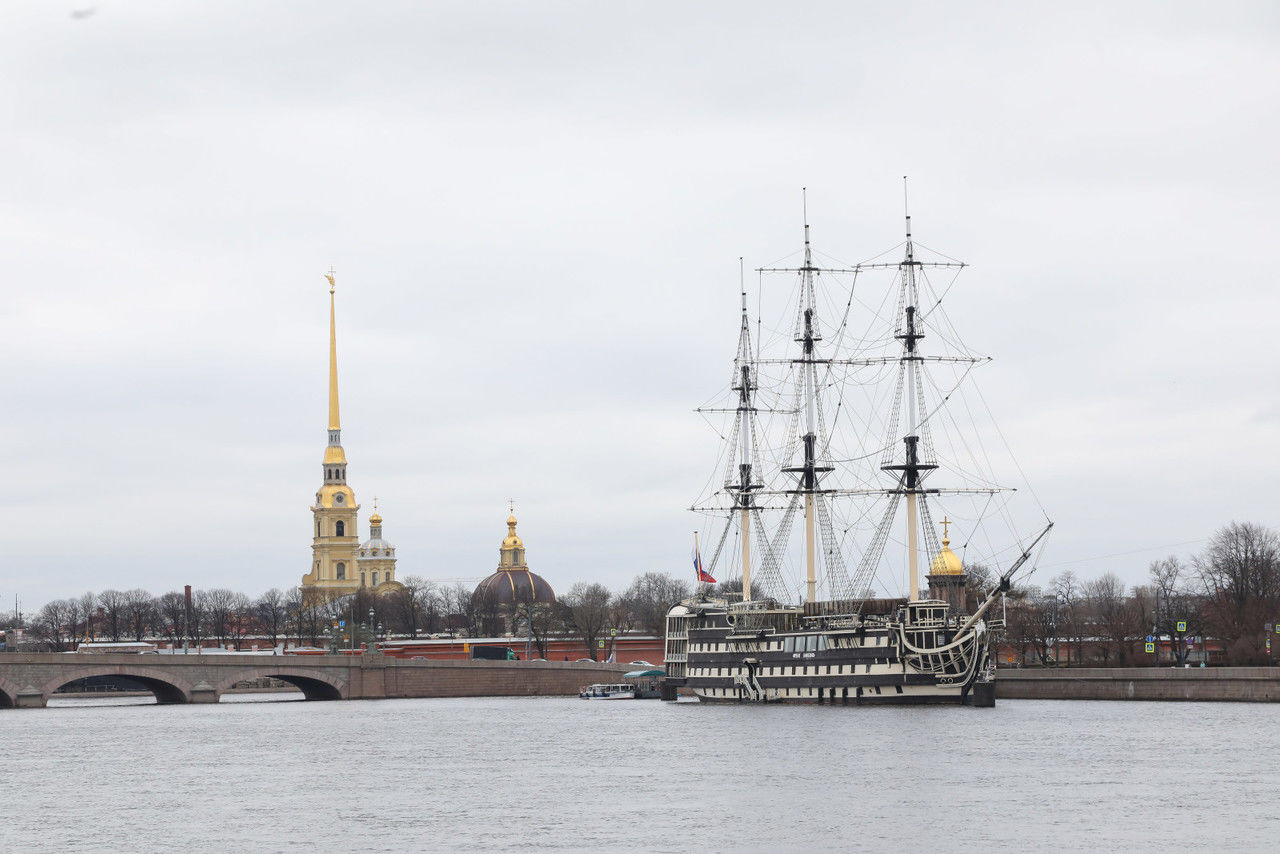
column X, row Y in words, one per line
column 335, row 539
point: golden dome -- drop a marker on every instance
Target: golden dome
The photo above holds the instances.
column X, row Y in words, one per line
column 375, row 519
column 946, row 562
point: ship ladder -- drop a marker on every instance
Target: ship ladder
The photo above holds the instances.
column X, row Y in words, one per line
column 749, row 684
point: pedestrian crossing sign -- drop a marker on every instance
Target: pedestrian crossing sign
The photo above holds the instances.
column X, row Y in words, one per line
column 1151, row 647
column 1182, row 625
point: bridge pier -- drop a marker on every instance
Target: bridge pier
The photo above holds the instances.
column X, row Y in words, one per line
column 203, row 692
column 30, row 698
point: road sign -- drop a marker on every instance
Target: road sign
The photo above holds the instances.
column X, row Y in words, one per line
column 1150, row 639
column 342, row 624
column 1182, row 625
column 613, row 633
column 601, row 643
column 1151, row 647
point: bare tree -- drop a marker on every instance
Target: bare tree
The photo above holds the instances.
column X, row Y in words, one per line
column 461, row 609
column 650, row 597
column 80, row 615
column 272, row 610
column 113, row 605
column 1178, row 609
column 980, row 580
column 243, row 618
column 409, row 606
column 1069, row 593
column 173, row 615
column 1240, row 572
column 55, row 623
column 1115, row 616
column 588, row 608
column 219, row 605
column 139, row 612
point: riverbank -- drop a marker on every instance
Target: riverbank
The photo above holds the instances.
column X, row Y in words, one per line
column 1239, row 684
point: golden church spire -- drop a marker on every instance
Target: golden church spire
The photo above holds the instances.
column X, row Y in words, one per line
column 335, row 459
column 334, row 423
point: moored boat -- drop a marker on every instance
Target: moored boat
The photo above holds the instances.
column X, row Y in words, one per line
column 602, row 691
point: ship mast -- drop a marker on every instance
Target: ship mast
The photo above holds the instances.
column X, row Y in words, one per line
column 807, row 335
column 745, row 387
column 912, row 468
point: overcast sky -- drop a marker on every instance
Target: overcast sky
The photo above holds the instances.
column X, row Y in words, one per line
column 536, row 212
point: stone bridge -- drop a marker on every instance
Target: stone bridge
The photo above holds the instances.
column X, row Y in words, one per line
column 28, row 679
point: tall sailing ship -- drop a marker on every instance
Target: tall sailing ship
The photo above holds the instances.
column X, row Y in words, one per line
column 843, row 424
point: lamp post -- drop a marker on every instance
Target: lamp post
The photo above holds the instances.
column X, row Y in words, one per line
column 373, row 641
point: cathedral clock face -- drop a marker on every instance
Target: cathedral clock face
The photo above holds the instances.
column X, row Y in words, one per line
column 339, row 498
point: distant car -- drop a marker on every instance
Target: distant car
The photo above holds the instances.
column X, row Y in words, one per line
column 644, row 663
column 587, row 659
column 537, row 659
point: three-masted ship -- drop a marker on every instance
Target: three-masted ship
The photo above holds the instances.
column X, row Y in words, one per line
column 828, row 638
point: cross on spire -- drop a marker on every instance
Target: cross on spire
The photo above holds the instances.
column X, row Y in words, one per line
column 946, row 525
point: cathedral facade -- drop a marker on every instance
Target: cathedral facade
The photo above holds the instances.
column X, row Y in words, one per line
column 340, row 563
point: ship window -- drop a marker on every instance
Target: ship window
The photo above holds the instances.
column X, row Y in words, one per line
column 789, row 645
column 822, row 642
column 811, row 643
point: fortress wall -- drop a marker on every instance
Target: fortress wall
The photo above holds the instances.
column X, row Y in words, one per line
column 1243, row 684
column 481, row 678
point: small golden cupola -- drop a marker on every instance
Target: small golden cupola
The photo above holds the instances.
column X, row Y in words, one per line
column 946, row 562
column 512, row 551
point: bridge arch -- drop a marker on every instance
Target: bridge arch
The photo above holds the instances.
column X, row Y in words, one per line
column 8, row 694
column 166, row 688
column 314, row 684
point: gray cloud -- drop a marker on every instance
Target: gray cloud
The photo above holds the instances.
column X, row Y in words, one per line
column 536, row 212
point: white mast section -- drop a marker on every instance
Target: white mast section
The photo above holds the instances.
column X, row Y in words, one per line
column 810, row 419
column 745, row 468
column 913, row 540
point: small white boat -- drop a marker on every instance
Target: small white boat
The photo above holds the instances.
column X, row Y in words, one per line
column 601, row 691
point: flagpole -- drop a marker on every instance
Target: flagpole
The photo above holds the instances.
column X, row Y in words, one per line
column 697, row 563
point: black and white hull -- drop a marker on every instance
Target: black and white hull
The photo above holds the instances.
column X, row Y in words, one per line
column 921, row 654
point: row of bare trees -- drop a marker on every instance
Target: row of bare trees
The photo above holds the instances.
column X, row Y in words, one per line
column 1228, row 593
column 587, row 612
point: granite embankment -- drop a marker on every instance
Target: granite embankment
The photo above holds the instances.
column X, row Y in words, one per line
column 1243, row 684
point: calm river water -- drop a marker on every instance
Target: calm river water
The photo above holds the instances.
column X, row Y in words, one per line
column 566, row 775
